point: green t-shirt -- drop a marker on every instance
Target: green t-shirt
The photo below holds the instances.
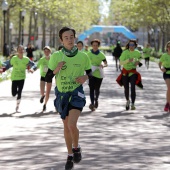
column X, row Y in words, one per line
column 43, row 65
column 86, row 51
column 73, row 68
column 147, row 52
column 0, row 64
column 96, row 60
column 19, row 67
column 127, row 54
column 165, row 60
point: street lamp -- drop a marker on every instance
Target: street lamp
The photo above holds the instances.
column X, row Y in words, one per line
column 23, row 13
column 4, row 9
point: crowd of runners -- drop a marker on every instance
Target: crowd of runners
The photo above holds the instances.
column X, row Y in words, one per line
column 71, row 66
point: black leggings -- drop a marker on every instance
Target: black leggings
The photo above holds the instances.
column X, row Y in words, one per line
column 17, row 86
column 132, row 80
column 94, row 85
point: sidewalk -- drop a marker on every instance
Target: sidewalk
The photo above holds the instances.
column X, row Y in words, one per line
column 111, row 138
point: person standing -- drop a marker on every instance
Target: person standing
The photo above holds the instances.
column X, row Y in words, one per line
column 130, row 58
column 43, row 65
column 97, row 59
column 146, row 54
column 19, row 62
column 29, row 51
column 69, row 65
column 164, row 65
column 117, row 53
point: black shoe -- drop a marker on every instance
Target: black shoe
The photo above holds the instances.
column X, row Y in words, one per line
column 69, row 164
column 42, row 99
column 91, row 107
column 77, row 155
column 127, row 105
column 96, row 104
column 44, row 107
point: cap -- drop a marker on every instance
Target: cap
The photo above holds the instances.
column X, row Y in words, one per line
column 47, row 47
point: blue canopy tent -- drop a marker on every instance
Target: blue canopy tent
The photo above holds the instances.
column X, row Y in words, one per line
column 101, row 28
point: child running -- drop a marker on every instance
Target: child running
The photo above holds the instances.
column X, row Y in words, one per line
column 43, row 65
column 96, row 58
column 164, row 65
column 69, row 65
column 19, row 62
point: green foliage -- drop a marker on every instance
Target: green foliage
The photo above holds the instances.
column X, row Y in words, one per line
column 77, row 14
column 137, row 13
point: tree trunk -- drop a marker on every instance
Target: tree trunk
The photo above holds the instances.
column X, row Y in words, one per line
column 30, row 26
column 44, row 35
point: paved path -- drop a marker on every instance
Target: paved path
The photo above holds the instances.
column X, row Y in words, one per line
column 111, row 138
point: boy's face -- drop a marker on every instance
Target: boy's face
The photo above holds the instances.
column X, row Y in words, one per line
column 68, row 39
column 20, row 50
column 47, row 52
column 79, row 46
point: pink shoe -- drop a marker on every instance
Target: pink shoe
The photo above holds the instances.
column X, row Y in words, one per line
column 166, row 108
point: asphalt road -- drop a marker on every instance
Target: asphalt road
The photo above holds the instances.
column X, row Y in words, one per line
column 111, row 137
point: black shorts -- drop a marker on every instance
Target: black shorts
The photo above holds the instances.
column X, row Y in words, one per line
column 166, row 76
column 147, row 59
column 70, row 107
column 42, row 79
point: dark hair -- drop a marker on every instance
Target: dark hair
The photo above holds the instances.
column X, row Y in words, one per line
column 64, row 29
column 80, row 42
column 95, row 40
column 132, row 40
column 166, row 47
column 60, row 47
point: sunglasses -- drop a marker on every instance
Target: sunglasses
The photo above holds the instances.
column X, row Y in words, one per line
column 131, row 45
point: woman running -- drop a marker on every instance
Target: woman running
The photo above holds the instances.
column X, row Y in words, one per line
column 164, row 65
column 19, row 62
column 96, row 57
column 130, row 59
column 43, row 65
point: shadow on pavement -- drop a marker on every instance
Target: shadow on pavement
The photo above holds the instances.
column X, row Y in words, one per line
column 157, row 116
column 115, row 114
column 38, row 114
column 7, row 115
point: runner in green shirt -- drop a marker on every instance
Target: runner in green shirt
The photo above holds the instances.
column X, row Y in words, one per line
column 146, row 54
column 130, row 59
column 164, row 65
column 86, row 50
column 98, row 62
column 69, row 66
column 80, row 45
column 43, row 66
column 19, row 63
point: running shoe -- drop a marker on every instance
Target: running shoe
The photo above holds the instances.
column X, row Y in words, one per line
column 96, row 104
column 133, row 107
column 127, row 104
column 77, row 155
column 91, row 107
column 44, row 107
column 42, row 99
column 69, row 164
column 166, row 108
